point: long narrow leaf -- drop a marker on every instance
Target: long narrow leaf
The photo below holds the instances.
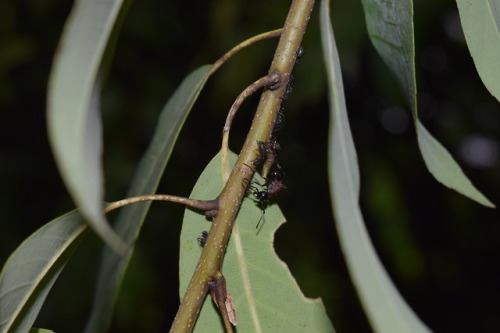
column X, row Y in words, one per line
column 390, row 26
column 146, row 179
column 481, row 24
column 266, row 296
column 386, row 309
column 74, row 109
column 32, row 269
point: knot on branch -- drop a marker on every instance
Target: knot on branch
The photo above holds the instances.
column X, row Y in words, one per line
column 274, row 80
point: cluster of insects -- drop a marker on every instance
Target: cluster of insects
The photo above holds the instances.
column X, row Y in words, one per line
column 267, row 158
column 272, row 173
column 267, row 161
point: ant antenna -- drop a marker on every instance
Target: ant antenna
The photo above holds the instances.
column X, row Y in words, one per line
column 261, row 217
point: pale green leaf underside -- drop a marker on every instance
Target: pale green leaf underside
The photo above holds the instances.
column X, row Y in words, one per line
column 481, row 25
column 390, row 26
column 40, row 330
column 74, row 109
column 266, row 296
column 32, row 269
column 386, row 309
column 439, row 160
column 145, row 181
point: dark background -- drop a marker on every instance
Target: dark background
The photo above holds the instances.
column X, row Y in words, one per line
column 440, row 248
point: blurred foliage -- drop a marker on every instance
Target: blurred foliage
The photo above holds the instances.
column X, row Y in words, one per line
column 439, row 247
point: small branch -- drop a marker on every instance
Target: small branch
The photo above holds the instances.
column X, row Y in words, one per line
column 272, row 81
column 242, row 45
column 203, row 205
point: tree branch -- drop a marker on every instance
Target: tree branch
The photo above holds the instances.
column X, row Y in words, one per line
column 233, row 193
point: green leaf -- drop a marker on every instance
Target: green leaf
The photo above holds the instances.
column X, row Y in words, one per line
column 390, row 26
column 386, row 309
column 32, row 269
column 481, row 25
column 74, row 110
column 145, row 181
column 266, row 296
column 439, row 161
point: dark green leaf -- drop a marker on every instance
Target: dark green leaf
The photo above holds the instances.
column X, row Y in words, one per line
column 74, row 110
column 32, row 269
column 386, row 309
column 481, row 24
column 390, row 26
column 146, row 179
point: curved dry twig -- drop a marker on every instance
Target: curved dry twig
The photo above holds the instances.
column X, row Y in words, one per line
column 272, row 82
column 203, row 205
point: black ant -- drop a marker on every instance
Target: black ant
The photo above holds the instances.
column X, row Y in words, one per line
column 267, row 150
column 289, row 88
column 272, row 185
column 280, row 120
column 273, row 145
column 267, row 155
column 262, row 155
column 300, row 53
column 202, row 240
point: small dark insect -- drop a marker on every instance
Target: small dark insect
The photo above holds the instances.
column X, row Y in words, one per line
column 280, row 120
column 262, row 155
column 289, row 88
column 274, row 182
column 261, row 196
column 272, row 185
column 202, row 240
column 300, row 53
column 267, row 150
column 273, row 145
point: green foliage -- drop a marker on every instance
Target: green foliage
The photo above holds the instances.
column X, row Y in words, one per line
column 74, row 106
column 149, row 172
column 267, row 298
column 385, row 307
column 390, row 27
column 481, row 23
column 32, row 269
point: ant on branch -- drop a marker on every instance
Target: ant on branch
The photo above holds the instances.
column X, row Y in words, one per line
column 280, row 120
column 289, row 88
column 300, row 53
column 272, row 186
column 202, row 240
column 267, row 155
column 273, row 178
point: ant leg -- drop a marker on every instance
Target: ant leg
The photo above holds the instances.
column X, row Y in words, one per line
column 261, row 216
column 247, row 185
column 258, row 223
column 250, row 187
